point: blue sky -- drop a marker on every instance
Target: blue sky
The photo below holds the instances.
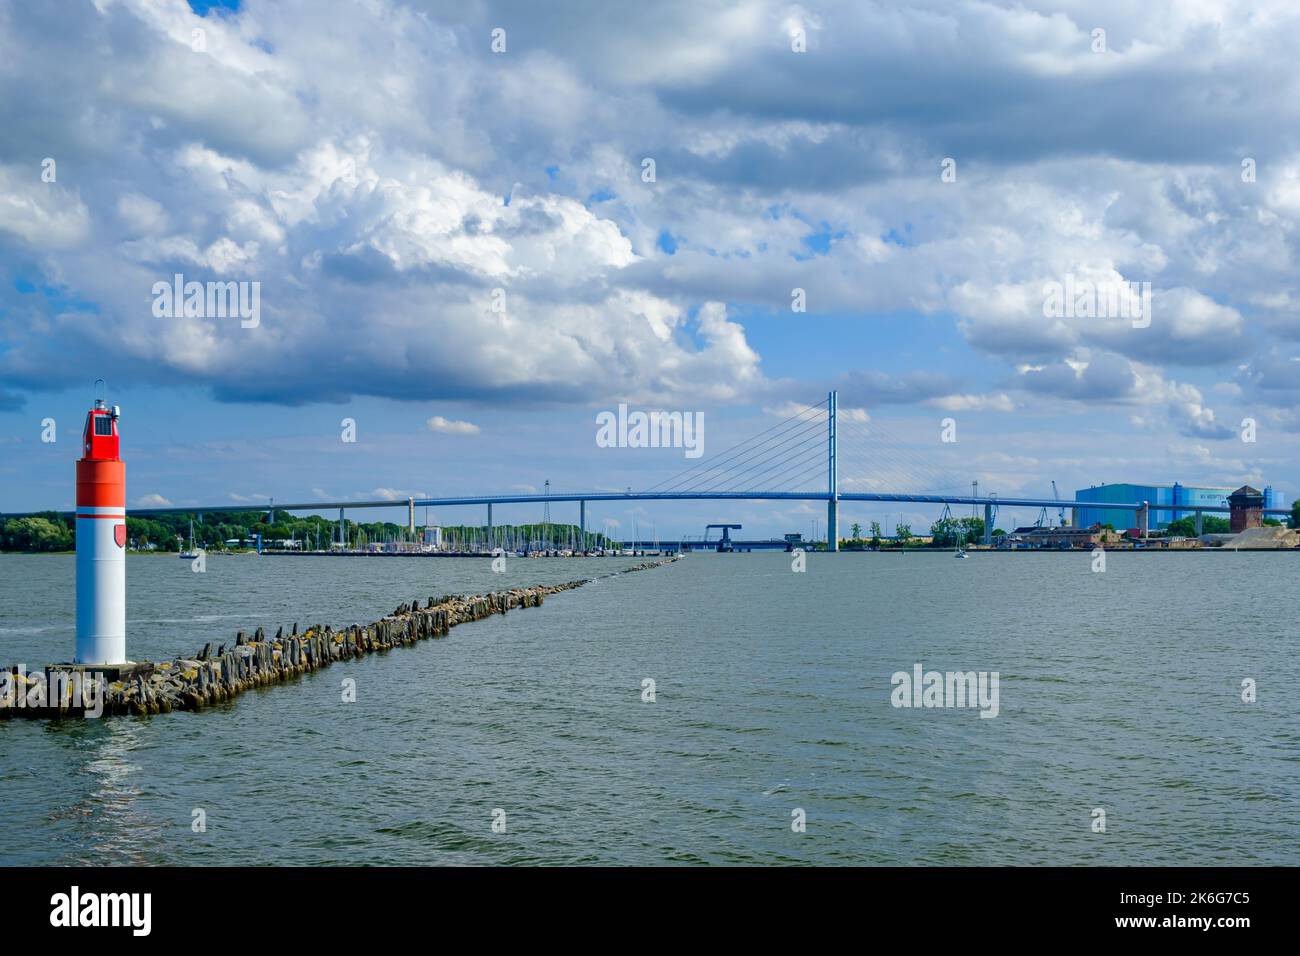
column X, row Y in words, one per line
column 380, row 174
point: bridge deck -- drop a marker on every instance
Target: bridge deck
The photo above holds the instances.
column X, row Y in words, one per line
column 577, row 496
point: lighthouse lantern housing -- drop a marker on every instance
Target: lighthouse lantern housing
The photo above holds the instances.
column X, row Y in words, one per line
column 100, row 441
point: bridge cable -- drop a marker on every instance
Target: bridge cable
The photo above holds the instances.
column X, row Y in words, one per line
column 748, row 454
column 714, row 463
column 791, row 431
column 812, row 433
column 818, row 470
column 750, row 474
column 784, row 463
column 861, row 440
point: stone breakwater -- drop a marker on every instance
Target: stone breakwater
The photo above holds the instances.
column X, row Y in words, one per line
column 192, row 683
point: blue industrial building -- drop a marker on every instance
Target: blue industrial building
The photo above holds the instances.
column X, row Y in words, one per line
column 1186, row 498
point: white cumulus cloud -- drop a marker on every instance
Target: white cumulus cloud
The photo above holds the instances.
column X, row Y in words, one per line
column 449, row 426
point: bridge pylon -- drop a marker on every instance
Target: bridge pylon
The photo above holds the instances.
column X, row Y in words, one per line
column 832, row 491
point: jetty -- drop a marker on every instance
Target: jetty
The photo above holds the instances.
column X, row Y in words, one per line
column 212, row 677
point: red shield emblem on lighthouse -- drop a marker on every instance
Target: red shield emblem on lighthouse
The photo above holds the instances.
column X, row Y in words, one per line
column 119, row 535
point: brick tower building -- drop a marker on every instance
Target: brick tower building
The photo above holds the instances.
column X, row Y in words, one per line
column 1246, row 509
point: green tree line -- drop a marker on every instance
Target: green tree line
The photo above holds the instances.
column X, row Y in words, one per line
column 50, row 531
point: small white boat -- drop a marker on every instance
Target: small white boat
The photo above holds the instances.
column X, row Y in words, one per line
column 960, row 553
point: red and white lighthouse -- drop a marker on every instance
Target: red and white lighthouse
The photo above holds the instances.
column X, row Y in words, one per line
column 101, row 541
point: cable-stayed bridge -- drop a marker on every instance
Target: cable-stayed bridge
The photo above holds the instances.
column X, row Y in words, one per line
column 814, row 454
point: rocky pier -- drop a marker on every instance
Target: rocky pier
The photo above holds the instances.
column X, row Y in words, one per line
column 211, row 677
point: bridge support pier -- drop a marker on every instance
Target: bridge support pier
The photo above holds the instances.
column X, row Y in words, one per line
column 1198, row 524
column 1144, row 519
column 490, row 543
column 582, row 525
column 410, row 516
column 343, row 541
column 988, row 523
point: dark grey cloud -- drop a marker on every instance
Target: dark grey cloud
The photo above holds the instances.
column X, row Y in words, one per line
column 842, row 158
column 1108, row 380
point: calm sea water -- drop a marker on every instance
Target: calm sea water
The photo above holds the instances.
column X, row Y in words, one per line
column 1119, row 690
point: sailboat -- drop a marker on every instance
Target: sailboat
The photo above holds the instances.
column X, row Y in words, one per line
column 958, row 550
column 192, row 553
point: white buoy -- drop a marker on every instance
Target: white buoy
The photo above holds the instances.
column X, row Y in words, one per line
column 101, row 541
